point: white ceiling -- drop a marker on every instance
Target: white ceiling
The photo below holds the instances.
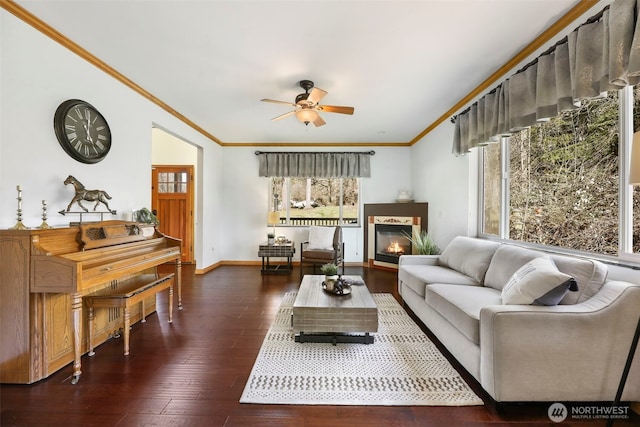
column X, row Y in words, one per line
column 401, row 64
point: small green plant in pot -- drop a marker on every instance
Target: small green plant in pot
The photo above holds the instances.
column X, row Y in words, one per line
column 423, row 243
column 271, row 238
column 145, row 216
column 330, row 271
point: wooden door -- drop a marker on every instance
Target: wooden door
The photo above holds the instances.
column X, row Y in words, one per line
column 172, row 202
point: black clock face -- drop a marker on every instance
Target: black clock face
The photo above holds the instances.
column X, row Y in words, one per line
column 82, row 131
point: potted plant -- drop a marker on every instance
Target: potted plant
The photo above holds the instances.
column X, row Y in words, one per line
column 145, row 216
column 330, row 271
column 423, row 243
column 271, row 238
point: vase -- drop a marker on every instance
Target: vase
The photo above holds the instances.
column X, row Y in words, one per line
column 329, row 282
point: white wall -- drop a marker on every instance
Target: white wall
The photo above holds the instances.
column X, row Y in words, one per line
column 32, row 156
column 231, row 199
column 447, row 183
column 168, row 149
column 36, row 75
column 2, row 43
column 246, row 199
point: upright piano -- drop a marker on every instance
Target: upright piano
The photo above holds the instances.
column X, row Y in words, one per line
column 44, row 274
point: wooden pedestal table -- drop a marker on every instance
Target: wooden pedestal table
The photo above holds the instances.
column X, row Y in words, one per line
column 319, row 316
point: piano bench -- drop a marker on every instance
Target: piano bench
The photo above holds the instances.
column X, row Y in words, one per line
column 125, row 294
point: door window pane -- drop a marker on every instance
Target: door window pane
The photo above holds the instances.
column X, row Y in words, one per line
column 172, row 182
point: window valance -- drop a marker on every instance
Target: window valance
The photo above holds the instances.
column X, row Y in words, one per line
column 602, row 54
column 314, row 164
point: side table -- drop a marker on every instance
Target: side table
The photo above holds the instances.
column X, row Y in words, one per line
column 283, row 250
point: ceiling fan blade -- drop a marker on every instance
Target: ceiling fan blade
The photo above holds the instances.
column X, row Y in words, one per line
column 335, row 109
column 275, row 101
column 282, row 116
column 319, row 121
column 316, row 95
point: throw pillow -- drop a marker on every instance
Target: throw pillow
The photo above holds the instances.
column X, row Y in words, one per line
column 321, row 237
column 538, row 282
column 469, row 256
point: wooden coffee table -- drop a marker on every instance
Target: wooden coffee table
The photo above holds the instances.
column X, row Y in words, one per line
column 319, row 316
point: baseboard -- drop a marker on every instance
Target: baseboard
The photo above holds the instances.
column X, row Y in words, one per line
column 259, row 263
column 207, row 269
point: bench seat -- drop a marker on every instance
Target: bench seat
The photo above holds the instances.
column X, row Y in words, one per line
column 124, row 295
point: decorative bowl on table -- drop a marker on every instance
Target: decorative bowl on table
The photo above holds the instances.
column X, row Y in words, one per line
column 340, row 287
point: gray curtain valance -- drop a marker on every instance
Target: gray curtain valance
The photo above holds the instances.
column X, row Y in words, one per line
column 601, row 55
column 313, row 164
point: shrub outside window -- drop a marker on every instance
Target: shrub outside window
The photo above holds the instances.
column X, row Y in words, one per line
column 563, row 181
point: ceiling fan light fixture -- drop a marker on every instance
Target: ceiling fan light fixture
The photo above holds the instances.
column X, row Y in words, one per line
column 306, row 116
column 307, row 105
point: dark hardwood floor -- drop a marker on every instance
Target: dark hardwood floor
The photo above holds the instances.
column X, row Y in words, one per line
column 192, row 373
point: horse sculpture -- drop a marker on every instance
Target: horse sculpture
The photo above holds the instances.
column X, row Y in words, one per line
column 98, row 196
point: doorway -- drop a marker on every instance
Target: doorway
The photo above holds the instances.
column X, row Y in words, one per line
column 172, row 203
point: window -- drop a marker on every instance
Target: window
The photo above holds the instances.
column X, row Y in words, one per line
column 564, row 181
column 172, row 182
column 636, row 220
column 316, row 201
column 491, row 189
column 635, row 197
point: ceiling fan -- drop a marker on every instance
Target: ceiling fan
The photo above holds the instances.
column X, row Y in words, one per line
column 307, row 107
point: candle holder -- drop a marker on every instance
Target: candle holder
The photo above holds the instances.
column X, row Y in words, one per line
column 44, row 216
column 19, row 225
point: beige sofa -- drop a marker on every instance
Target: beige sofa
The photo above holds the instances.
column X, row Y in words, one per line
column 573, row 351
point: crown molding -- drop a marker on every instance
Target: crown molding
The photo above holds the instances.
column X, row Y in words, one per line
column 578, row 10
column 12, row 7
column 315, row 144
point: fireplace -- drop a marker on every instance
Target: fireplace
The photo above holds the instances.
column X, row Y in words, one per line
column 391, row 241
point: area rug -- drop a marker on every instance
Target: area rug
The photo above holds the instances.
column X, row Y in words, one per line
column 402, row 367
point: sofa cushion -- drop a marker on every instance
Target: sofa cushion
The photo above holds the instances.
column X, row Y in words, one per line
column 319, row 254
column 417, row 277
column 506, row 261
column 469, row 256
column 589, row 274
column 461, row 305
column 538, row 282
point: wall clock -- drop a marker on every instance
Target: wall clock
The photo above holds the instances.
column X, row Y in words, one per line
column 82, row 131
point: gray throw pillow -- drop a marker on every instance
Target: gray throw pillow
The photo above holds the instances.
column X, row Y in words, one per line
column 538, row 282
